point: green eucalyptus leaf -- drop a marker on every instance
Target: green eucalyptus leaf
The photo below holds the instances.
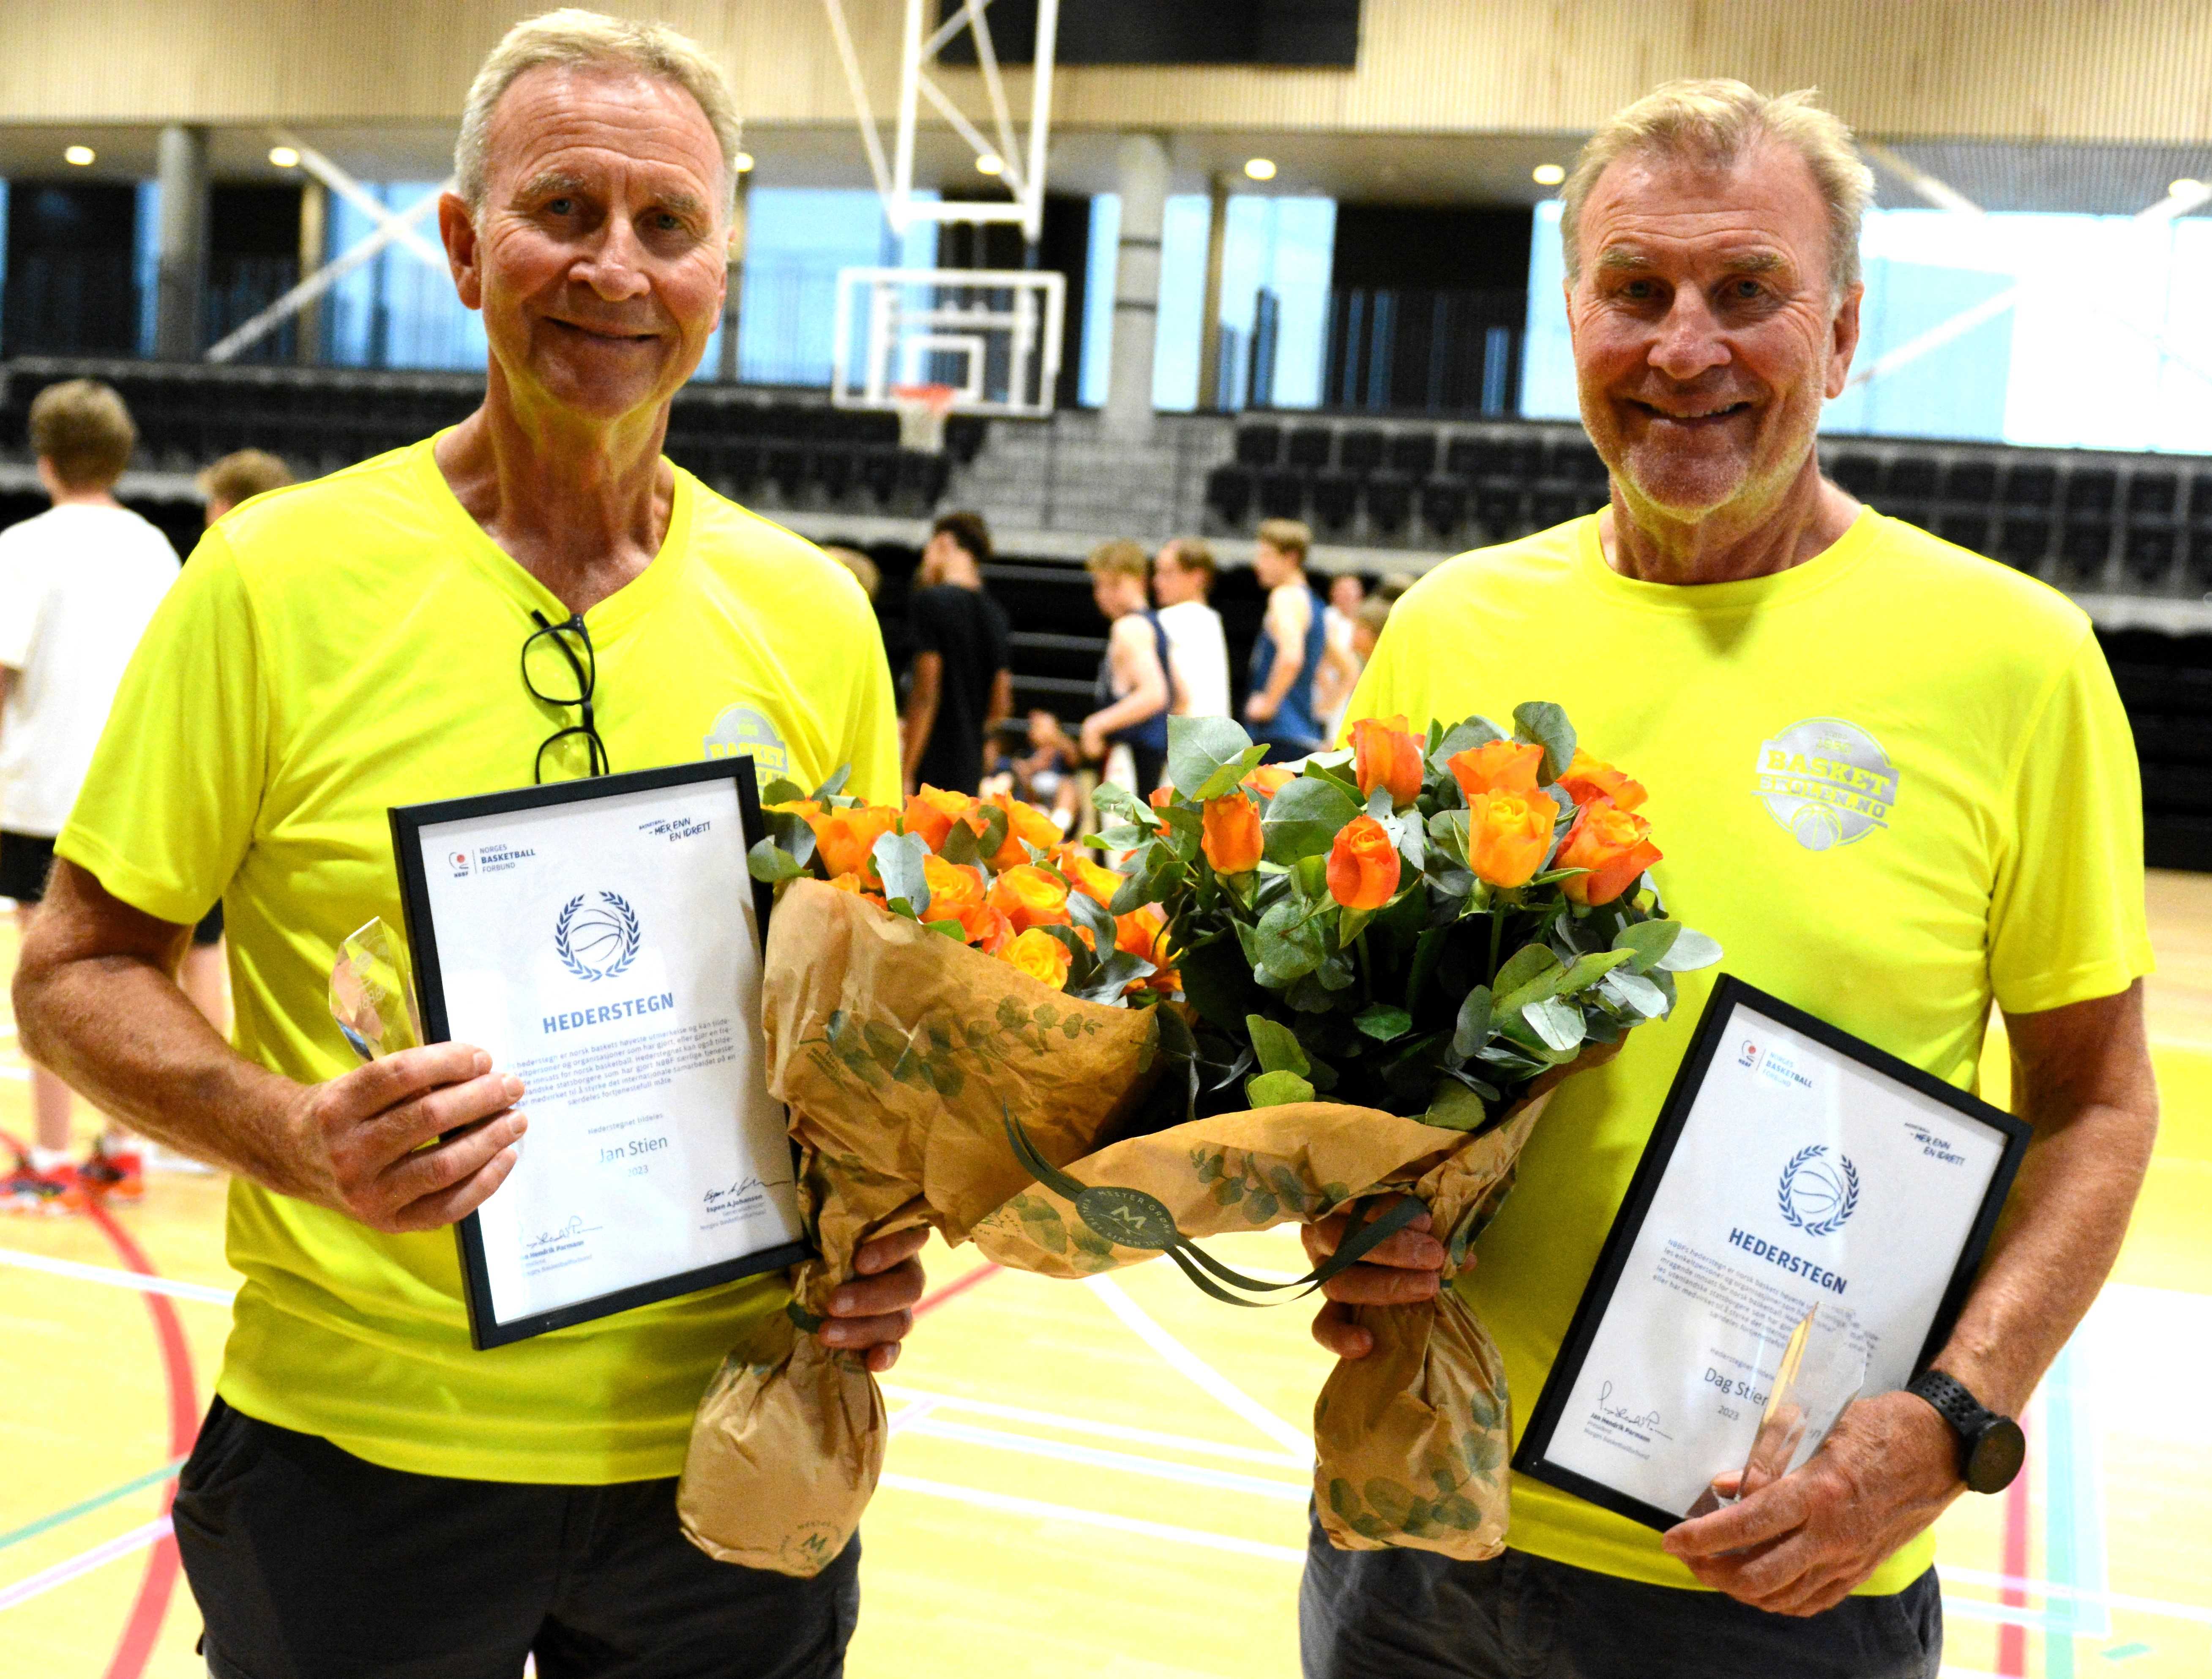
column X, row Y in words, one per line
column 1517, row 969
column 1472, row 1029
column 1587, row 970
column 1464, row 737
column 1087, row 911
column 898, row 859
column 1198, row 748
column 1448, row 830
column 1691, row 950
column 1112, row 799
column 994, row 831
column 1383, row 1021
column 1632, row 990
column 1555, row 1020
column 835, row 784
column 1305, row 816
column 780, row 791
column 1276, row 1045
column 1380, row 804
column 1455, row 1107
column 951, row 930
column 1083, row 965
column 771, row 863
column 1546, row 725
column 1272, row 1090
column 960, row 845
column 1224, row 782
column 1648, row 941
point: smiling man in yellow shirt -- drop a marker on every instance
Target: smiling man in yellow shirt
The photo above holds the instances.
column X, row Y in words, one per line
column 369, row 1496
column 1893, row 779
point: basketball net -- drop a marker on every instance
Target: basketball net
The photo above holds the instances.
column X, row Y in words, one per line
column 921, row 411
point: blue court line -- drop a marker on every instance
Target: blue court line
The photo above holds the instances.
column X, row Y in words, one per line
column 60, row 1517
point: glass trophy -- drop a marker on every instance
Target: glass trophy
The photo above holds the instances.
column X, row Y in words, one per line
column 1821, row 1370
column 372, row 992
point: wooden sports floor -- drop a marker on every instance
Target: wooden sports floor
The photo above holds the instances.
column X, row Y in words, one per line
column 1109, row 1480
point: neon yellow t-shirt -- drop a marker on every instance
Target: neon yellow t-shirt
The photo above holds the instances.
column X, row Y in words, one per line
column 1895, row 782
column 354, row 643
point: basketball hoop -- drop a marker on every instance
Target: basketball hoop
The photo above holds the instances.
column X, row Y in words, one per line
column 921, row 411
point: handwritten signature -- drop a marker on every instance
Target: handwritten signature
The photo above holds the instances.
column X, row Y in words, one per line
column 718, row 1198
column 566, row 1233
column 1646, row 1421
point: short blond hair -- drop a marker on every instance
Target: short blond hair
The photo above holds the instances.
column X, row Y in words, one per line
column 1119, row 558
column 577, row 38
column 1293, row 536
column 1715, row 123
column 81, row 430
column 241, row 475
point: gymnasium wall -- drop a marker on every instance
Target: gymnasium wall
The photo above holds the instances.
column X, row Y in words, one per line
column 2042, row 69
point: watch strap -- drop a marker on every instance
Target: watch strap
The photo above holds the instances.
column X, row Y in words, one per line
column 1953, row 1402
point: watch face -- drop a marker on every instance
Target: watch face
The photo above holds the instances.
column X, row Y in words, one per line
column 1996, row 1456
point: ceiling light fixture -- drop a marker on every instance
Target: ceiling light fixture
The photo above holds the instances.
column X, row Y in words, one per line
column 990, row 163
column 744, row 162
column 284, row 157
column 2187, row 187
column 1548, row 174
column 1259, row 168
column 79, row 155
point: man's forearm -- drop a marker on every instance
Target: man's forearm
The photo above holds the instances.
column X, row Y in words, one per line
column 1289, row 660
column 921, row 719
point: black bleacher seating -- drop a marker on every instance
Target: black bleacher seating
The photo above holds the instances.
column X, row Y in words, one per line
column 1229, row 493
column 1283, row 493
column 1258, row 446
column 1464, row 457
column 1309, row 447
column 2152, row 496
column 1501, row 512
column 1443, row 507
column 2200, row 501
column 1967, row 526
column 1910, row 479
column 1335, row 496
column 1413, row 454
column 1552, row 506
column 2022, row 541
column 1971, row 482
column 1359, row 452
column 1860, row 474
column 2090, row 489
column 1389, row 501
column 2084, row 547
column 2031, row 484
column 2150, row 555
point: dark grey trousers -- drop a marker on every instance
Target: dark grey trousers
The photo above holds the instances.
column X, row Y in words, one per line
column 1413, row 1615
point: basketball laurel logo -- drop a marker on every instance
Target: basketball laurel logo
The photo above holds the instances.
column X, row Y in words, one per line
column 598, row 940
column 1827, row 781
column 1818, row 1194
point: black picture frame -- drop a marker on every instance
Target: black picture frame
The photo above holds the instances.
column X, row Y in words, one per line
column 486, row 1330
column 1714, row 1027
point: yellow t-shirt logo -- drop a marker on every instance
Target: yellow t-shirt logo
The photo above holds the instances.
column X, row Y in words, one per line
column 1827, row 781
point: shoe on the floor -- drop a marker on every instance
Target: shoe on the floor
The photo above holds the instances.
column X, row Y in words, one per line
column 27, row 1189
column 158, row 1157
column 120, row 1174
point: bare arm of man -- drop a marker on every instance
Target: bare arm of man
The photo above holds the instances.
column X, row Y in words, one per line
column 1136, row 664
column 2081, row 1078
column 1289, row 612
column 1001, row 704
column 411, row 1142
column 921, row 715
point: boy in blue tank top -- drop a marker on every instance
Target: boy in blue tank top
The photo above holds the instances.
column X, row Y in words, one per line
column 1288, row 655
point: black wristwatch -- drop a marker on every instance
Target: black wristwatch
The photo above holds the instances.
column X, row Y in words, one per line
column 1991, row 1448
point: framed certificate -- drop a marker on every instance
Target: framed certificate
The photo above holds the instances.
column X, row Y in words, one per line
column 1795, row 1171
column 601, row 940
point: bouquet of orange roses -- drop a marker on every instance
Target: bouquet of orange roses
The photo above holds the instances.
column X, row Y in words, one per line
column 1390, row 957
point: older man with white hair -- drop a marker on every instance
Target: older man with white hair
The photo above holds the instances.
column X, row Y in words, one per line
column 534, row 593
column 1732, row 614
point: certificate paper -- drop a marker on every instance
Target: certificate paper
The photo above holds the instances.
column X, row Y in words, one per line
column 1794, row 1166
column 601, row 941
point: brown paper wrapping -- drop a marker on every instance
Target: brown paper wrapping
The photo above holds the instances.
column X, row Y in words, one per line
column 898, row 1055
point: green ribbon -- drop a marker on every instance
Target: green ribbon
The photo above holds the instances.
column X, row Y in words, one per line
column 1130, row 1219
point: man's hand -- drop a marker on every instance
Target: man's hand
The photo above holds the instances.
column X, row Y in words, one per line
column 875, row 1309
column 1800, row 1544
column 1261, row 709
column 1404, row 1268
column 1093, row 742
column 414, row 1141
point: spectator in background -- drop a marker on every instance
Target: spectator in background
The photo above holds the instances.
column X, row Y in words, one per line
column 1134, row 690
column 962, row 685
column 1288, row 657
column 240, row 477
column 859, row 565
column 1367, row 627
column 78, row 585
column 1340, row 670
column 1035, row 762
column 1395, row 584
column 1198, row 652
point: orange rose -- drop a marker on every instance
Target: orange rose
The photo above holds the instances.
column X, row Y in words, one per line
column 1499, row 766
column 850, row 883
column 932, row 812
column 951, row 887
column 1589, row 778
column 1269, row 778
column 809, row 808
column 1508, row 835
column 1144, row 933
column 1024, row 822
column 1092, row 879
column 980, row 925
column 1612, row 845
column 1159, row 797
column 1232, row 840
column 1042, row 956
column 1362, row 865
column 1384, row 755
column 844, row 838
column 1030, row 897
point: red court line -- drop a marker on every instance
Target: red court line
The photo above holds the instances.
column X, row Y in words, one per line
column 2012, row 1638
column 954, row 1289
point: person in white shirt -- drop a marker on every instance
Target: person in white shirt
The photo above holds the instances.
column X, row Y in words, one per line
column 1182, row 577
column 1340, row 665
column 78, row 584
